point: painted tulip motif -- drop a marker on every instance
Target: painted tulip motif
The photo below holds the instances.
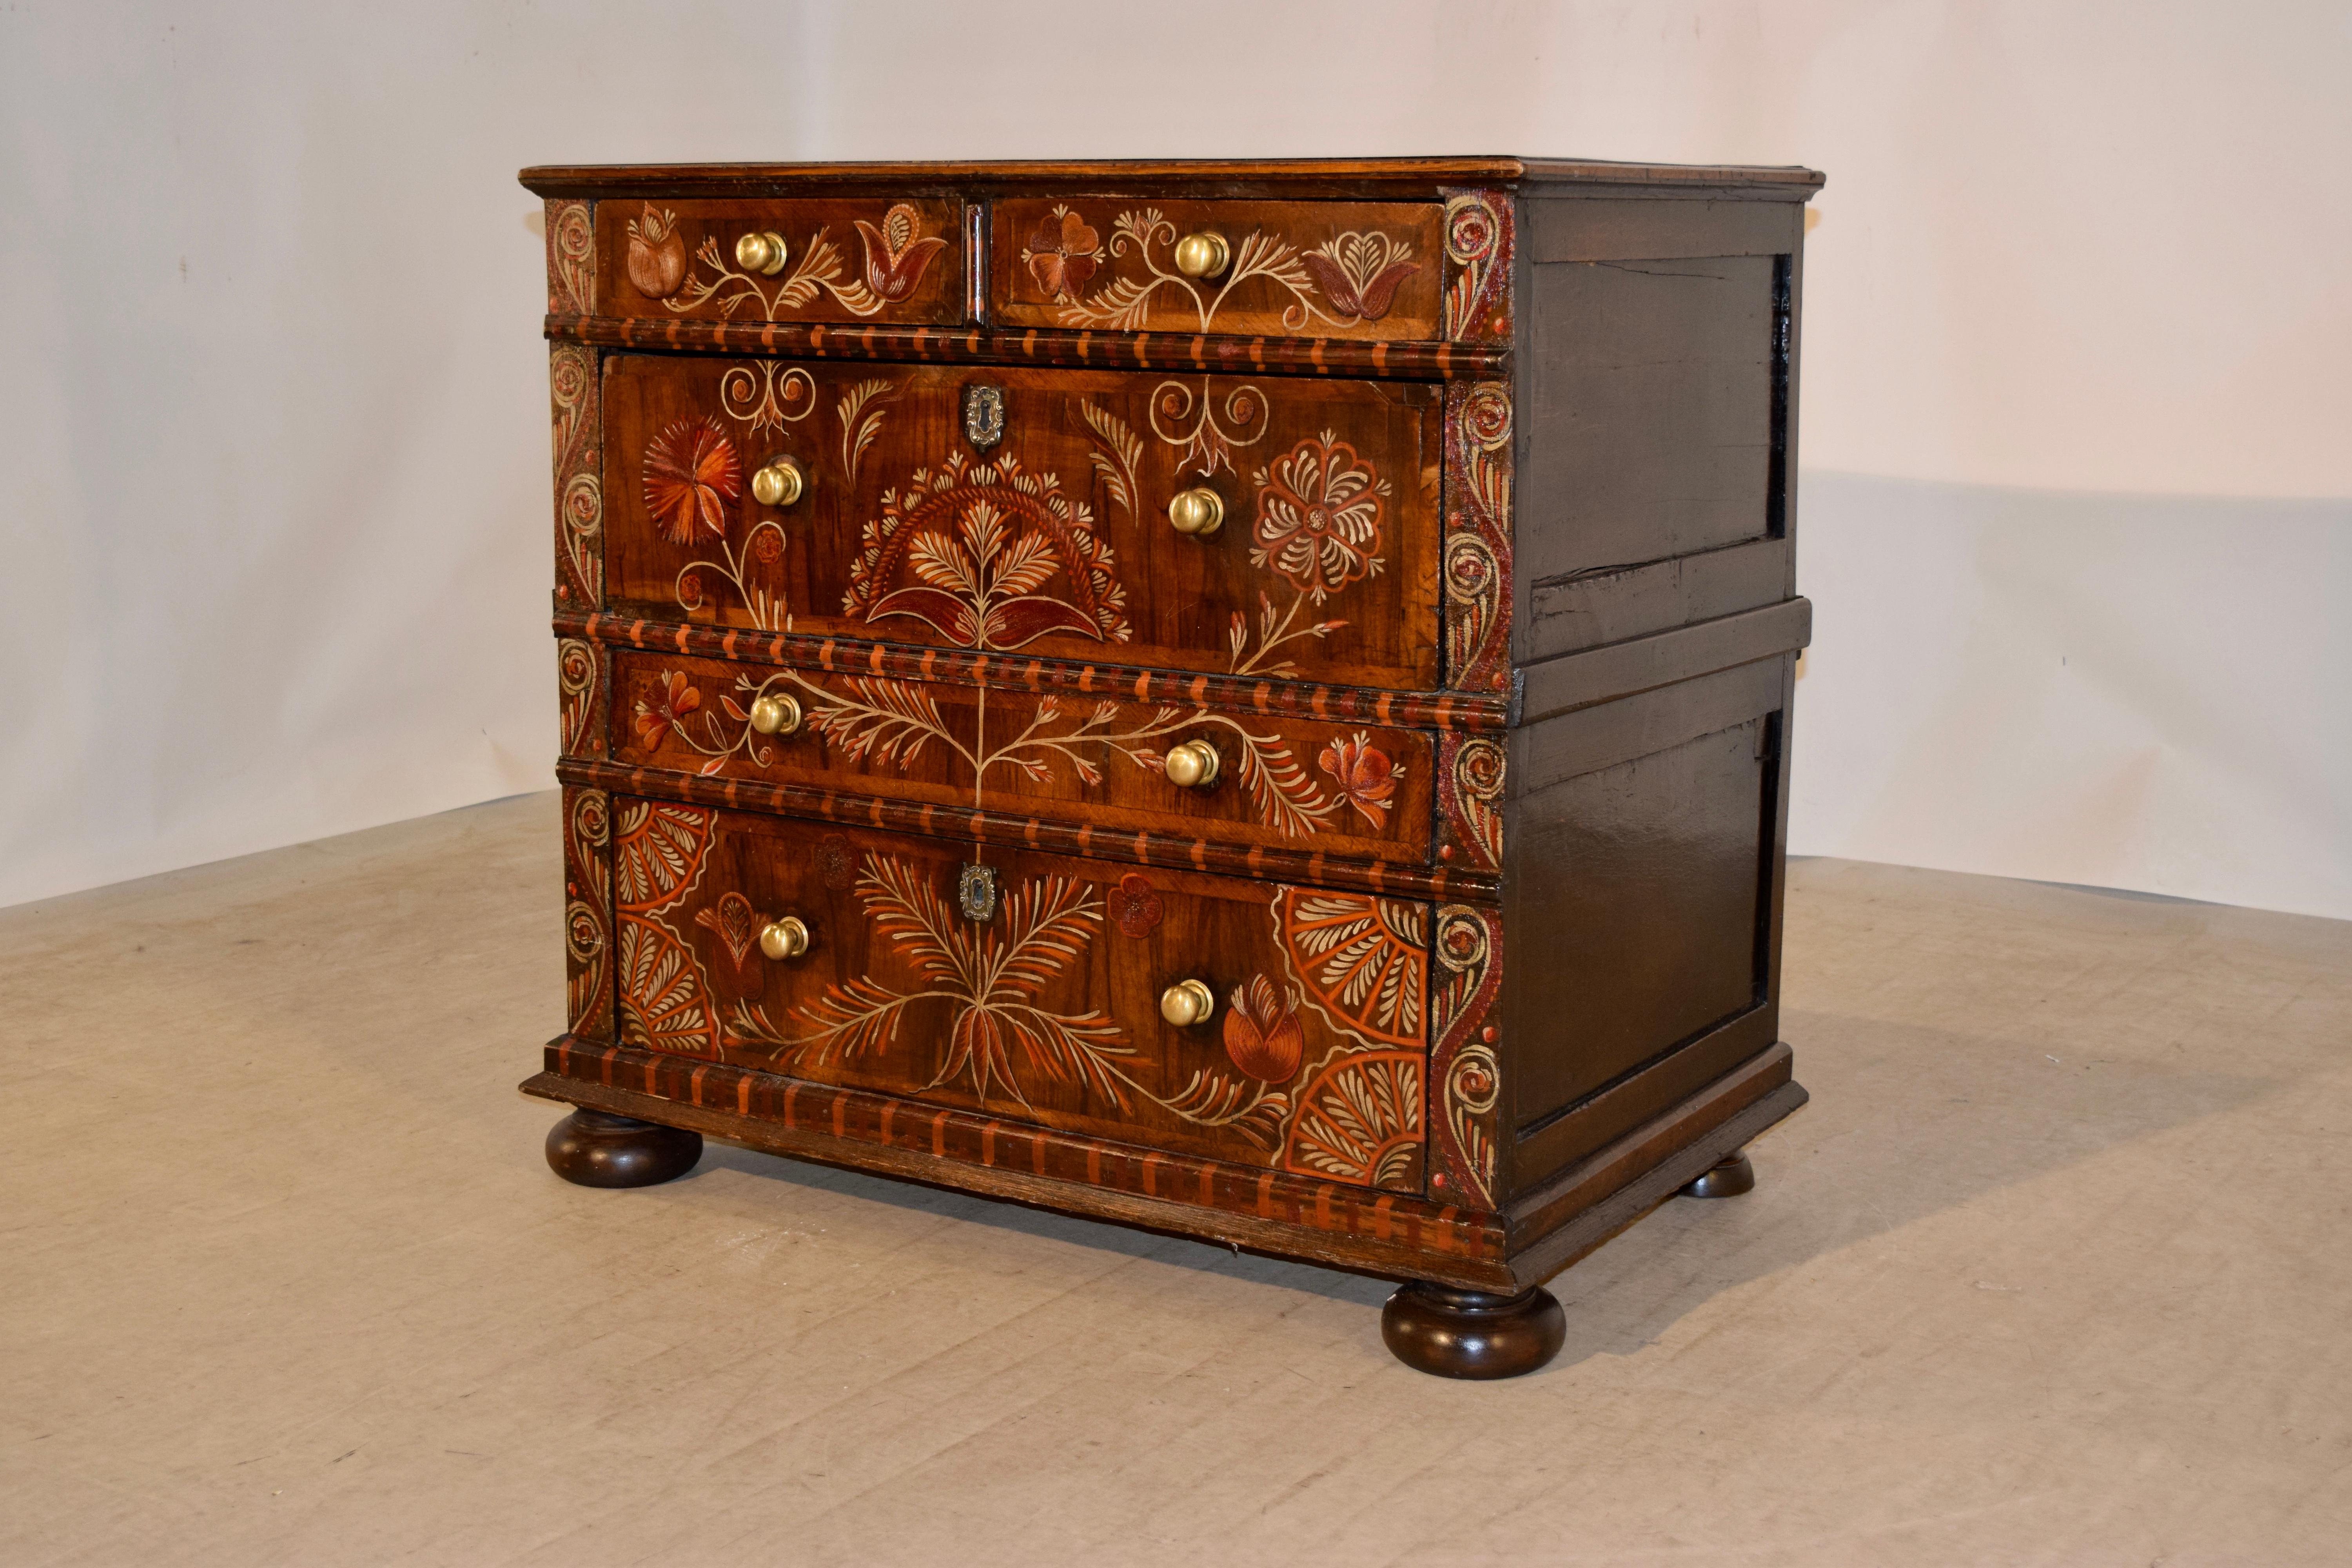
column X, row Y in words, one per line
column 656, row 254
column 1359, row 273
column 1263, row 1034
column 736, row 923
column 896, row 257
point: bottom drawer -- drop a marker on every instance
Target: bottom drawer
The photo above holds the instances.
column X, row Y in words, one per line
column 1031, row 987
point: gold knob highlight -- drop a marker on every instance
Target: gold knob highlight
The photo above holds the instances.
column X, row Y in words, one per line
column 761, row 252
column 784, row 938
column 777, row 484
column 1202, row 255
column 1187, row 1003
column 1199, row 512
column 775, row 713
column 1192, row 765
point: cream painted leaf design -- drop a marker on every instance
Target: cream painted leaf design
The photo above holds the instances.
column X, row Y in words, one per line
column 1363, row 961
column 658, row 852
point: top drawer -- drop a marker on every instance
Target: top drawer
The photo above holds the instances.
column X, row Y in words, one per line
column 855, row 261
column 1313, row 269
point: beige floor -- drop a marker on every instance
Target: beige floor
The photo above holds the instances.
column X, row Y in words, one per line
column 2054, row 1268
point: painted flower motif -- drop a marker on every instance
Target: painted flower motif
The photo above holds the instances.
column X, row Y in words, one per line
column 1263, row 1035
column 1134, row 906
column 1318, row 517
column 664, row 706
column 1063, row 254
column 736, row 923
column 656, row 254
column 895, row 258
column 1367, row 779
column 1359, row 273
column 691, row 473
column 767, row 544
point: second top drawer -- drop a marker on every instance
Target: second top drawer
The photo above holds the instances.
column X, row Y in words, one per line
column 1201, row 523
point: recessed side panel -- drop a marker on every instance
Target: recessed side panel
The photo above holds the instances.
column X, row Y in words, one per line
column 1641, row 907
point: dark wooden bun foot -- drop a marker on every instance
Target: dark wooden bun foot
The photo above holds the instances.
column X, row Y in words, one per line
column 1467, row 1334
column 1726, row 1178
column 599, row 1150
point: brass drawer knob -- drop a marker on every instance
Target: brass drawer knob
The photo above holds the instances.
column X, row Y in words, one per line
column 1187, row 1003
column 1192, row 765
column 775, row 713
column 761, row 252
column 779, row 484
column 1202, row 255
column 784, row 938
column 1199, row 511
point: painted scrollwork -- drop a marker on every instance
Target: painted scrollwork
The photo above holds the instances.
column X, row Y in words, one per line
column 1478, row 254
column 768, row 396
column 579, row 677
column 1205, row 431
column 1477, row 550
column 579, row 495
column 587, row 938
column 571, row 259
column 1470, row 796
column 1463, row 1062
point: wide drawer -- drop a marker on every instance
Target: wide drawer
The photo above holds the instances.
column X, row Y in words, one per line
column 1319, row 270
column 827, row 260
column 1031, row 988
column 1002, row 510
column 1348, row 789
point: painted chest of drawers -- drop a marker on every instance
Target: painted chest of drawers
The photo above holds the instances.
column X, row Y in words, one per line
column 1245, row 699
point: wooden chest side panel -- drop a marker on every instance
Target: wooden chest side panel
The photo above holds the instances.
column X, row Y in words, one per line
column 1642, row 900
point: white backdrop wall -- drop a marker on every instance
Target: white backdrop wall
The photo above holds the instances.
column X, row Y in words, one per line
column 2076, row 504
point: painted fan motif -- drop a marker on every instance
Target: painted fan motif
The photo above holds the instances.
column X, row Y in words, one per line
column 1363, row 961
column 692, row 474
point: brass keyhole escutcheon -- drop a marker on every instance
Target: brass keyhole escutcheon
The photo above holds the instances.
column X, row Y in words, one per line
column 763, row 253
column 784, row 937
column 780, row 483
column 1202, row 255
column 1198, row 511
column 1187, row 1003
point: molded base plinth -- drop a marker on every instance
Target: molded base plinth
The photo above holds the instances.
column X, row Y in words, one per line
column 1726, row 1178
column 597, row 1149
column 1467, row 1334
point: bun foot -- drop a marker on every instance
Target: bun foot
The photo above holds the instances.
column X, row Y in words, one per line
column 1467, row 1334
column 597, row 1149
column 1726, row 1178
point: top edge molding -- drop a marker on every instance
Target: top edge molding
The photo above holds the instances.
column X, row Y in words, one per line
column 1223, row 177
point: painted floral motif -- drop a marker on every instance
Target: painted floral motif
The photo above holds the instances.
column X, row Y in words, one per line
column 895, row 256
column 1350, row 278
column 1062, row 255
column 659, row 853
column 1134, row 906
column 1367, row 779
column 1262, row 1034
column 656, row 260
column 666, row 705
column 981, row 544
column 1359, row 273
column 692, row 474
column 736, row 923
column 1318, row 517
